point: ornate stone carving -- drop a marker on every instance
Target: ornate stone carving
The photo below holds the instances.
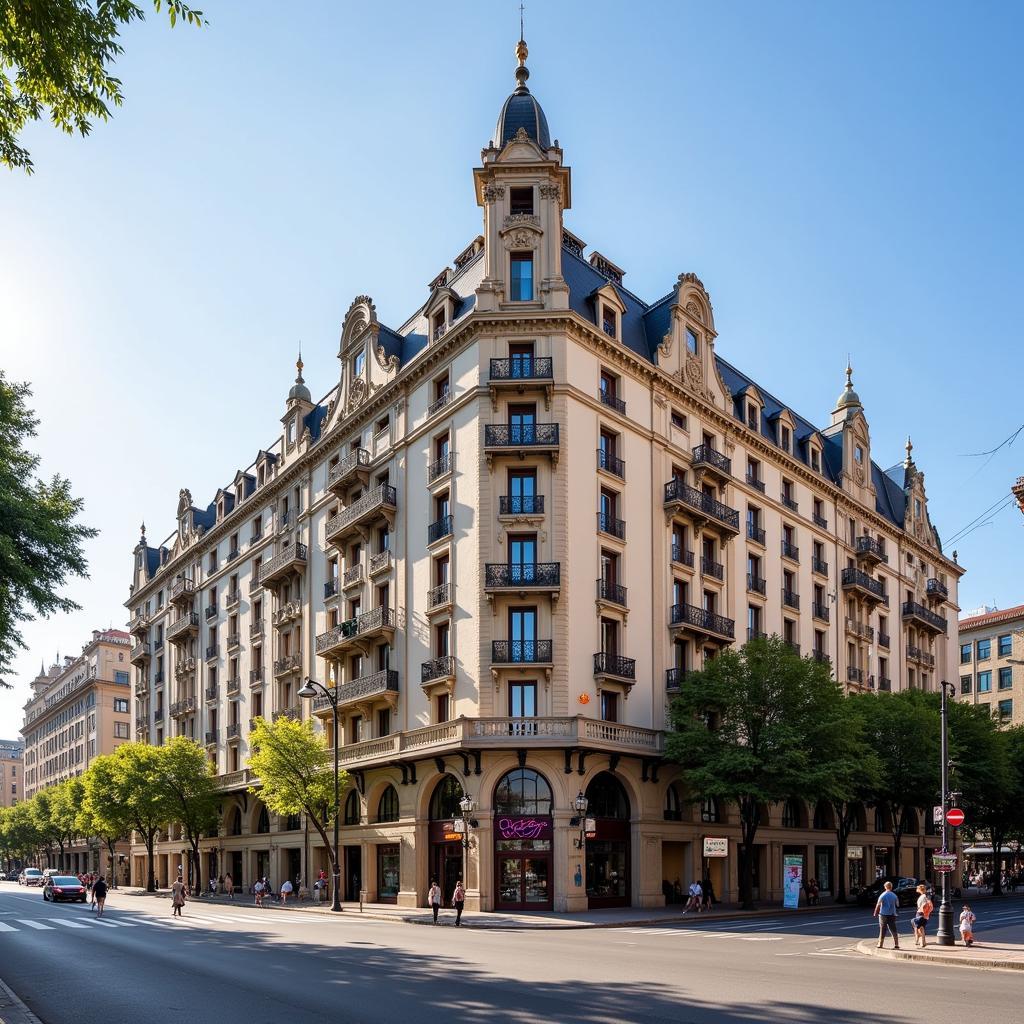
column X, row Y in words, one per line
column 493, row 191
column 356, row 394
column 521, row 136
column 551, row 192
column 384, row 361
column 522, row 238
column 665, row 348
column 184, row 501
column 858, row 474
column 695, row 311
column 525, row 219
column 692, row 376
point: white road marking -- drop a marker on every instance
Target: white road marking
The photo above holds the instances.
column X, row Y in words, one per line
column 67, row 923
column 36, row 924
column 6, row 927
column 104, row 924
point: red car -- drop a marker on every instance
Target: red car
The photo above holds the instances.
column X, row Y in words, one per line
column 63, row 887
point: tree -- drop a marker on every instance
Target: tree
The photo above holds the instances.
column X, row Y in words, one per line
column 40, row 540
column 296, row 774
column 101, row 814
column 903, row 731
column 186, row 780
column 62, row 52
column 65, row 801
column 20, row 831
column 45, row 824
column 755, row 726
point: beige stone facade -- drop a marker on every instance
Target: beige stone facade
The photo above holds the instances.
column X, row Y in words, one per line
column 505, row 534
column 12, row 772
column 78, row 710
column 992, row 663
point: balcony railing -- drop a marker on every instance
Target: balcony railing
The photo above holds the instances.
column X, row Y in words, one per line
column 920, row 655
column 755, row 583
column 703, row 620
column 380, row 562
column 608, row 523
column 348, row 468
column 256, row 677
column 439, row 595
column 139, row 652
column 924, row 616
column 756, row 482
column 439, row 468
column 790, row 551
column 709, row 567
column 211, row 652
column 286, row 520
column 291, row 558
column 789, row 502
column 182, row 589
column 883, row 639
column 521, row 652
column 857, row 579
column 183, row 707
column 211, row 737
column 233, row 687
column 521, row 505
column 352, row 576
column 755, row 533
column 793, row 646
column 860, row 629
column 364, row 688
column 294, row 713
column 439, row 529
column 232, row 598
column 678, row 492
column 234, row 730
column 141, row 688
column 372, row 621
column 516, row 575
column 210, row 693
column 614, row 593
column 871, row 549
column 821, row 657
column 289, row 663
column 681, row 555
column 818, row 565
column 937, row 589
column 611, row 400
column 820, row 521
column 790, row 598
column 611, row 463
column 255, row 630
column 706, row 456
column 185, row 667
column 755, row 634
column 440, row 402
column 854, row 675
column 158, row 678
column 606, row 664
column 674, row 678
column 437, row 668
column 521, row 435
column 820, row 611
column 519, row 368
column 884, row 683
column 375, row 502
column 210, row 613
column 234, row 640
column 233, row 554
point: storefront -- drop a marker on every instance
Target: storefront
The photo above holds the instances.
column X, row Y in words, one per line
column 445, row 836
column 608, row 842
column 855, row 868
column 388, row 861
column 523, row 833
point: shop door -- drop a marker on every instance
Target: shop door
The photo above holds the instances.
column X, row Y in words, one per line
column 447, row 868
column 523, row 882
column 353, row 873
column 823, row 868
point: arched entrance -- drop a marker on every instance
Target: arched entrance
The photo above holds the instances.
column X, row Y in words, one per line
column 445, row 842
column 608, row 850
column 523, row 834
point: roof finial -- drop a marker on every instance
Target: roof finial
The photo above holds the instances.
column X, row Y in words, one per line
column 142, row 531
column 849, row 373
column 522, row 72
column 910, row 447
column 298, row 366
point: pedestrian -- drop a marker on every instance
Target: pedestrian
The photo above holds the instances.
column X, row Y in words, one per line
column 967, row 920
column 434, row 898
column 257, row 891
column 99, row 895
column 885, row 911
column 458, row 901
column 229, row 884
column 924, row 911
column 812, row 892
column 177, row 897
column 708, row 900
column 696, row 895
column 286, row 890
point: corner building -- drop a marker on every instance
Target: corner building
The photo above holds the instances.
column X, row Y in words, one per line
column 505, row 535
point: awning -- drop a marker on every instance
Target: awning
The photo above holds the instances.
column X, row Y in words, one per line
column 987, row 850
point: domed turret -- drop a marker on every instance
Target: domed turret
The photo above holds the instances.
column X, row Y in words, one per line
column 849, row 399
column 299, row 391
column 521, row 110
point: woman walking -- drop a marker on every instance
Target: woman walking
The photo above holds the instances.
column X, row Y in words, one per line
column 920, row 919
column 177, row 897
column 99, row 894
column 229, row 885
column 434, row 898
column 967, row 920
column 458, row 901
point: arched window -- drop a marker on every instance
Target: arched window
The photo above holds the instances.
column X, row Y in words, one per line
column 606, row 798
column 709, row 811
column 236, row 823
column 822, row 815
column 293, row 823
column 881, row 819
column 908, row 822
column 791, row 813
column 263, row 824
column 351, row 816
column 387, row 809
column 444, row 802
column 673, row 804
column 523, row 791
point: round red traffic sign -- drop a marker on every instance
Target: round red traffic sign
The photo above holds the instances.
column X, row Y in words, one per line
column 955, row 816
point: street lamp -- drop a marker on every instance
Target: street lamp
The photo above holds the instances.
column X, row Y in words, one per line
column 944, row 936
column 309, row 689
column 467, row 806
column 580, row 805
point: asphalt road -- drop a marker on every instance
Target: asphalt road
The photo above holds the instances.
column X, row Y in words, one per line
column 227, row 964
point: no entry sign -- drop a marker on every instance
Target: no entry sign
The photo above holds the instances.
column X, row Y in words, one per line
column 955, row 816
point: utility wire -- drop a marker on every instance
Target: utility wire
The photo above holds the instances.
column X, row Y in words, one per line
column 991, row 507
column 975, row 525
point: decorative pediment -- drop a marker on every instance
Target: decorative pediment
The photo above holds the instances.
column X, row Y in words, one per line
column 360, row 318
column 693, row 298
column 184, row 501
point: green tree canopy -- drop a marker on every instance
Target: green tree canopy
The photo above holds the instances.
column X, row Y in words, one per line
column 40, row 540
column 756, row 726
column 102, row 814
column 62, row 52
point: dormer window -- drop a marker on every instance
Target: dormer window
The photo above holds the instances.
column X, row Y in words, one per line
column 609, row 321
column 521, row 200
column 785, row 438
column 358, row 363
column 521, row 277
column 858, row 455
column 753, row 415
column 291, row 431
column 261, row 476
column 438, row 324
column 815, row 460
column 691, row 341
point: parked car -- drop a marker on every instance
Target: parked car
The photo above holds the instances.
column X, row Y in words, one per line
column 30, row 876
column 63, row 887
column 905, row 889
column 13, row 876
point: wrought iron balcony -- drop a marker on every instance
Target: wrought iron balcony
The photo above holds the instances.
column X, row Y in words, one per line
column 702, row 621
column 520, row 368
column 681, row 555
column 820, row 610
column 821, row 657
column 611, row 463
column 233, row 554
column 182, row 590
column 234, row 641
column 871, row 551
column 158, row 645
column 139, row 653
column 521, row 652
column 380, row 502
column 608, row 523
column 183, row 707
column 612, row 400
column 884, row 683
column 706, row 457
column 820, row 521
column 709, row 567
column 355, row 466
column 854, row 675
column 211, row 693
column 374, row 623
column 789, row 502
column 439, row 468
column 254, row 585
column 352, row 576
column 790, row 598
column 256, row 677
column 294, row 713
column 793, row 647
column 437, row 668
column 377, row 684
column 755, row 533
column 158, row 678
column 755, row 583
column 380, row 562
column 290, row 560
column 936, row 589
column 234, row 730
column 141, row 688
column 521, row 505
column 210, row 613
column 517, row 436
column 139, row 623
column 211, row 652
column 439, row 529
column 439, row 595
column 755, row 634
column 614, row 665
column 255, row 631
column 819, row 566
column 756, row 482
column 923, row 617
column 289, row 663
column 883, row 639
column 680, row 496
column 523, row 576
column 440, row 402
column 862, row 584
column 790, row 551
column 232, row 598
column 233, row 687
column 212, row 736
column 674, row 678
column 920, row 655
column 860, row 629
column 614, row 593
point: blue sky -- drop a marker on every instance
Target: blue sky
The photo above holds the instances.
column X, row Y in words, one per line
column 843, row 178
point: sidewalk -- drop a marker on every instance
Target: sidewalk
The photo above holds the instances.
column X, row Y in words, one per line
column 987, row 956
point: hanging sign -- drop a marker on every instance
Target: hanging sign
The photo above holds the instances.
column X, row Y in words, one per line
column 792, row 880
column 944, row 862
column 937, row 815
column 716, row 847
column 590, row 828
column 855, row 853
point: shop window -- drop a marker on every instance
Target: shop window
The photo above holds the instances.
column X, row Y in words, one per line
column 263, row 823
column 673, row 804
column 387, row 809
column 351, row 816
column 522, row 791
column 444, row 803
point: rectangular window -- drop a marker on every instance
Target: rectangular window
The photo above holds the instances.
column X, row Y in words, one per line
column 384, row 722
column 1005, row 646
column 984, row 682
column 521, row 200
column 691, row 341
column 522, row 277
column 121, row 730
column 1005, row 678
column 358, row 363
column 984, row 649
column 1005, row 710
column 609, row 706
column 965, row 654
column 678, row 420
column 442, row 708
column 752, row 416
column 965, row 684
column 522, row 700
column 121, row 705
column 120, row 677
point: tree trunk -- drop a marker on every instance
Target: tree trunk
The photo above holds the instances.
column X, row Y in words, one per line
column 111, row 855
column 746, row 857
column 150, row 880
column 997, row 876
column 842, row 844
column 197, row 878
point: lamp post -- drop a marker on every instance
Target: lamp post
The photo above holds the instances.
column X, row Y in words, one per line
column 944, row 936
column 580, row 805
column 467, row 807
column 309, row 689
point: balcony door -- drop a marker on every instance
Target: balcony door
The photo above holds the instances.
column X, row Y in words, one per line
column 522, row 634
column 521, row 360
column 522, row 489
column 522, row 422
column 522, row 556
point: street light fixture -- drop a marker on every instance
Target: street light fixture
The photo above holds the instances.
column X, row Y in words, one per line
column 310, row 688
column 467, row 806
column 580, row 805
column 944, row 936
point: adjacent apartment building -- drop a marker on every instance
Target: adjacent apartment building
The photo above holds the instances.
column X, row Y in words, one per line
column 503, row 536
column 992, row 662
column 79, row 709
column 12, row 773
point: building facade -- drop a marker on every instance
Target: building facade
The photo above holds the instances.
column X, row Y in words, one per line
column 79, row 709
column 992, row 662
column 505, row 535
column 12, row 772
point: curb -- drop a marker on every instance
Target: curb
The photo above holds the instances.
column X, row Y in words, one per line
column 13, row 1010
column 869, row 948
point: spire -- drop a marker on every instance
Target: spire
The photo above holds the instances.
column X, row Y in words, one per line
column 522, row 72
column 909, row 460
column 299, row 390
column 849, row 398
column 142, row 532
column 298, row 366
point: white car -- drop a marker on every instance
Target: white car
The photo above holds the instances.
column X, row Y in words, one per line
column 30, row 876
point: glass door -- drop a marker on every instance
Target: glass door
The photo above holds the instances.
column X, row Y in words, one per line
column 522, row 552
column 522, row 421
